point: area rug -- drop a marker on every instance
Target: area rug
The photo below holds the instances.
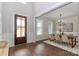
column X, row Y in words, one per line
column 64, row 46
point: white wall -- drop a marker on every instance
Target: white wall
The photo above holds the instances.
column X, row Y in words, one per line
column 0, row 21
column 45, row 34
column 9, row 10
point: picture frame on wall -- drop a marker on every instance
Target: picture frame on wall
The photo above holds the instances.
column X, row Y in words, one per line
column 68, row 27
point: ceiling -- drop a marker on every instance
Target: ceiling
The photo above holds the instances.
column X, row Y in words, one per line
column 66, row 11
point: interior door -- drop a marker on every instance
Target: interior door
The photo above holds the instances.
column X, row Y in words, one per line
column 20, row 29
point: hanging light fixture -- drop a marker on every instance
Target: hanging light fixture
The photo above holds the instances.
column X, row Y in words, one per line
column 60, row 23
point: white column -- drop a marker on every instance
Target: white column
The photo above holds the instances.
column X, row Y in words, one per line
column 0, row 21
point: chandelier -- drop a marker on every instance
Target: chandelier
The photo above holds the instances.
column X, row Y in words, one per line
column 60, row 24
column 60, row 21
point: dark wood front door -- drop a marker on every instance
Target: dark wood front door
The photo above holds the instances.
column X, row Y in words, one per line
column 20, row 29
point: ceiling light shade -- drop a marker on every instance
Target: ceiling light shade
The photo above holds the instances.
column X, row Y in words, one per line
column 24, row 2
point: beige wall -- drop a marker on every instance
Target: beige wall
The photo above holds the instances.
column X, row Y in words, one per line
column 75, row 21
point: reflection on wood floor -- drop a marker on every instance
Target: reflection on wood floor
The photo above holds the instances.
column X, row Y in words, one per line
column 38, row 49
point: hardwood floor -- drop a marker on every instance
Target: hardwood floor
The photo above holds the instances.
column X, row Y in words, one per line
column 38, row 49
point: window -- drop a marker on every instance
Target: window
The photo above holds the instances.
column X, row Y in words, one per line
column 39, row 27
column 50, row 27
column 20, row 27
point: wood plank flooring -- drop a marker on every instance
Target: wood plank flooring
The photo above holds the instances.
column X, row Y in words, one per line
column 38, row 49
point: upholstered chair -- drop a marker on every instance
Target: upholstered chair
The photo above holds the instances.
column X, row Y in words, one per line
column 57, row 37
column 65, row 38
column 4, row 48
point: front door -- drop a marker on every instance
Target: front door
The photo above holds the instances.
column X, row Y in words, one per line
column 20, row 29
